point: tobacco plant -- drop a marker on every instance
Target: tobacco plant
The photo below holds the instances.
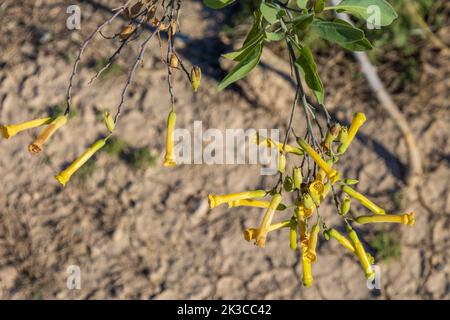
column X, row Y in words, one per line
column 320, row 146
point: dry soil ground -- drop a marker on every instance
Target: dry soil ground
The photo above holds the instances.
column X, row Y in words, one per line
column 144, row 233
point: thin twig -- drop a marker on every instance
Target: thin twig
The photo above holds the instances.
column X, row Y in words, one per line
column 133, row 71
column 81, row 51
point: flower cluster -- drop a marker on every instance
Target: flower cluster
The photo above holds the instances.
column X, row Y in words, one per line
column 51, row 126
column 306, row 223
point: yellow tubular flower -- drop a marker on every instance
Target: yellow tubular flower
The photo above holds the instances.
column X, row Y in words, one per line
column 341, row 239
column 363, row 200
column 267, row 220
column 216, row 200
column 250, row 234
column 357, row 122
column 346, row 243
column 304, row 237
column 316, row 186
column 312, row 243
column 307, row 278
column 253, row 203
column 279, row 225
column 37, row 145
column 361, row 253
column 169, row 158
column 321, row 175
column 332, row 174
column 303, row 212
column 293, row 235
column 407, row 218
column 10, row 130
column 269, row 143
column 64, row 176
column 298, row 214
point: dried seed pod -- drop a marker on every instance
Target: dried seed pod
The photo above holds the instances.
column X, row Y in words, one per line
column 162, row 26
column 174, row 63
column 151, row 13
column 126, row 14
column 135, row 9
column 155, row 22
column 331, row 135
column 125, row 33
column 173, row 28
column 288, row 184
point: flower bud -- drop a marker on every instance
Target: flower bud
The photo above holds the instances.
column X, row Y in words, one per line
column 196, row 77
column 281, row 163
column 350, row 181
column 345, row 205
column 343, row 135
column 297, row 176
column 109, row 122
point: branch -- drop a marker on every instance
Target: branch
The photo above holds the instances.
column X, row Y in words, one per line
column 83, row 48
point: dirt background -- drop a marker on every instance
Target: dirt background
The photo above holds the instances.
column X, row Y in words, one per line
column 145, row 233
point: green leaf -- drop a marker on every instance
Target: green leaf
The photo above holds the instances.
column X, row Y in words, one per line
column 360, row 45
column 269, row 13
column 305, row 62
column 256, row 28
column 368, row 9
column 320, row 96
column 302, row 4
column 246, row 48
column 336, row 32
column 319, row 6
column 275, row 36
column 303, row 21
column 242, row 68
column 217, row 4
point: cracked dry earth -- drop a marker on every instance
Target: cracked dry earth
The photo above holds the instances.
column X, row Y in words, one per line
column 146, row 234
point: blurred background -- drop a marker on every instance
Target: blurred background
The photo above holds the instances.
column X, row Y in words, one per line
column 141, row 231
